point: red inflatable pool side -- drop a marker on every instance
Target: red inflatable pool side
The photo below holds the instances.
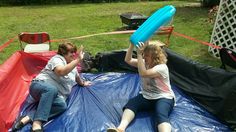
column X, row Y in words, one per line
column 16, row 74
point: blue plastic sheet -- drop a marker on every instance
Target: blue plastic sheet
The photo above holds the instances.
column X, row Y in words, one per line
column 99, row 106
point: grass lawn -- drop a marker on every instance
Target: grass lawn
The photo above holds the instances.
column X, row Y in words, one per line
column 66, row 21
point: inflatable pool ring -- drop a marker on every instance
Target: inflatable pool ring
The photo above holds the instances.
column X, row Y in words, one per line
column 152, row 24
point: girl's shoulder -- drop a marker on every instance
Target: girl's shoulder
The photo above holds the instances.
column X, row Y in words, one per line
column 57, row 59
column 163, row 66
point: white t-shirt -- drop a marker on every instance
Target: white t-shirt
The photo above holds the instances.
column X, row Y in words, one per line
column 158, row 87
column 63, row 83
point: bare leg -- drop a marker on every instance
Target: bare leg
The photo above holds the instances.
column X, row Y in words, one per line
column 37, row 125
column 127, row 117
column 164, row 127
column 20, row 123
column 25, row 120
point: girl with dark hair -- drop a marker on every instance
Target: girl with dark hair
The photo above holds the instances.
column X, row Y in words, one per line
column 51, row 87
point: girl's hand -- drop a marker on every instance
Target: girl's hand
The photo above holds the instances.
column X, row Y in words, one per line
column 81, row 53
column 87, row 83
column 141, row 47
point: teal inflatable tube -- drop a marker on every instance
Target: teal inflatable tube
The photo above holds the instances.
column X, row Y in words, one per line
column 152, row 24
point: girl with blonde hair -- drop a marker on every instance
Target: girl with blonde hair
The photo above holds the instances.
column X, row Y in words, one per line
column 156, row 93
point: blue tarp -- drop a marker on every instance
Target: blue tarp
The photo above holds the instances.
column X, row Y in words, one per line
column 99, row 106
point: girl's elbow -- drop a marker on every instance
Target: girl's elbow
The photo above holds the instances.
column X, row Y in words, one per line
column 60, row 73
column 127, row 61
column 142, row 74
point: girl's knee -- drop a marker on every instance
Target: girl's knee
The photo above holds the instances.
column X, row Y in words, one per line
column 64, row 107
column 53, row 90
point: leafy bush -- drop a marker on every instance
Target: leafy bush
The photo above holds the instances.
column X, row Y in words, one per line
column 212, row 14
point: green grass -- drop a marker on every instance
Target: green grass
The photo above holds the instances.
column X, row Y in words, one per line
column 66, row 21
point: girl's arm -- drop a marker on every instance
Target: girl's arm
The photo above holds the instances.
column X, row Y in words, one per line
column 143, row 71
column 82, row 82
column 64, row 70
column 128, row 57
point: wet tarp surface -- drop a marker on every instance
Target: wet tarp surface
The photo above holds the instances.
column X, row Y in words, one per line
column 212, row 88
column 94, row 108
column 99, row 106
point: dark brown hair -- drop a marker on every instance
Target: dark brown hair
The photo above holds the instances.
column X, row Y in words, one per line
column 64, row 48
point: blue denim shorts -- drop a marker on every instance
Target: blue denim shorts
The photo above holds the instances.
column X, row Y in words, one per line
column 162, row 107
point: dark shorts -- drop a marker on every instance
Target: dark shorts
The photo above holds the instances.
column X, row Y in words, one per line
column 162, row 107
